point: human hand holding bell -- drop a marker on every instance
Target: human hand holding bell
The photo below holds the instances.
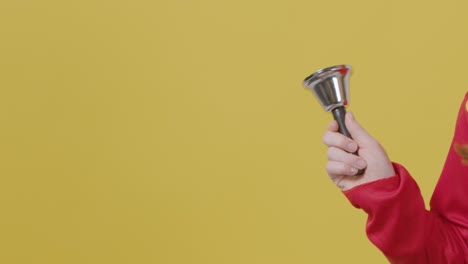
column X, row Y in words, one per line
column 331, row 88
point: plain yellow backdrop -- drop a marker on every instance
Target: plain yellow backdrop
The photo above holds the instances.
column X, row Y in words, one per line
column 178, row 131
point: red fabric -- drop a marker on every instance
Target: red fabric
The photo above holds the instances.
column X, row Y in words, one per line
column 398, row 223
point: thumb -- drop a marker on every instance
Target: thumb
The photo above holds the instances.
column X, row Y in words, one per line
column 358, row 133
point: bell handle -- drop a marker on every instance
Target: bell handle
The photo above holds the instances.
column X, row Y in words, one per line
column 339, row 115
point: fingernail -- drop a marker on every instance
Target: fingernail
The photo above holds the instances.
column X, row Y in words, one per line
column 351, row 115
column 353, row 170
column 352, row 147
column 361, row 164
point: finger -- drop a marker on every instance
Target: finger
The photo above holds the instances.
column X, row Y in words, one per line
column 333, row 126
column 358, row 133
column 337, row 140
column 339, row 155
column 337, row 169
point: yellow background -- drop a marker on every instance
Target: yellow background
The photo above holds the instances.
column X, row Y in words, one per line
column 176, row 131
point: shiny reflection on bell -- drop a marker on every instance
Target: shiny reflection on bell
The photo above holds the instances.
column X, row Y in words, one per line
column 330, row 86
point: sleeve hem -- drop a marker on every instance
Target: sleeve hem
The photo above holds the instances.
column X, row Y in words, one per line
column 376, row 183
column 368, row 193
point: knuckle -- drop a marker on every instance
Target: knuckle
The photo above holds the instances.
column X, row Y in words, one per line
column 329, row 168
column 353, row 158
column 344, row 142
column 330, row 152
column 342, row 168
column 326, row 137
column 335, row 168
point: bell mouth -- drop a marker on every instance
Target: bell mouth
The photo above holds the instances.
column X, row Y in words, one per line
column 322, row 73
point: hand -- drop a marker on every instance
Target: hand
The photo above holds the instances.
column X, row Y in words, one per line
column 342, row 165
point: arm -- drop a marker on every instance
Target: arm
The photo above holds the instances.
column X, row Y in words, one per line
column 451, row 194
column 398, row 223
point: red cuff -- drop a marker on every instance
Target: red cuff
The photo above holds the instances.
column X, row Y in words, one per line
column 375, row 191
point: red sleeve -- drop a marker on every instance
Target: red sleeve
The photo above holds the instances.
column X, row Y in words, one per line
column 398, row 223
column 450, row 197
